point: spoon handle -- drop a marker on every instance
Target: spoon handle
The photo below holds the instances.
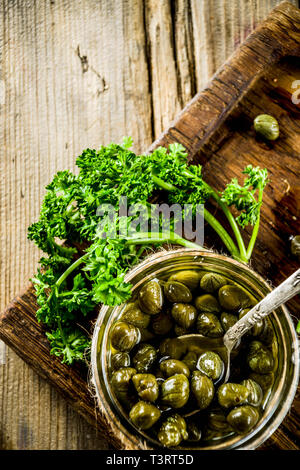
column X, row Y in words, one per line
column 285, row 291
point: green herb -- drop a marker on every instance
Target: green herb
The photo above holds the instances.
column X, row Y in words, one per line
column 71, row 284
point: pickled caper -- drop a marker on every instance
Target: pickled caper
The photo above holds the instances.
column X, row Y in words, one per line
column 177, row 292
column 211, row 364
column 243, row 418
column 203, row 389
column 184, row 314
column 144, row 415
column 175, row 391
column 146, row 386
column 209, row 325
column 207, row 303
column 267, row 126
column 124, row 336
column 171, row 367
column 172, row 431
column 211, row 282
column 188, row 277
column 231, row 394
column 144, row 358
column 151, row 297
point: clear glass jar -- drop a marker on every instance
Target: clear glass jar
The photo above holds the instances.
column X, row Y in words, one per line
column 287, row 373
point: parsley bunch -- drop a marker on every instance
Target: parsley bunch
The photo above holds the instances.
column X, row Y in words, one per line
column 72, row 282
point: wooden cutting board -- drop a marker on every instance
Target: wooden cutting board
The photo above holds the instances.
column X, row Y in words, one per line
column 216, row 128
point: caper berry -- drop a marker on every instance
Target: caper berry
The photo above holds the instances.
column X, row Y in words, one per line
column 259, row 358
column 184, row 314
column 162, row 323
column 172, row 431
column 119, row 360
column 171, row 367
column 207, row 303
column 256, row 394
column 144, row 415
column 211, row 282
column 233, row 298
column 231, row 394
column 243, row 418
column 177, row 292
column 211, row 364
column 144, row 358
column 175, row 391
column 151, row 297
column 209, row 325
column 267, row 126
column 203, row 389
column 146, row 386
column 134, row 315
column 188, row 277
column 124, row 336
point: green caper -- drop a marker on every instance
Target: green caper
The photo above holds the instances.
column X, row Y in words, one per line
column 259, row 358
column 175, row 391
column 179, row 331
column 194, row 432
column 171, row 367
column 151, row 297
column 188, row 277
column 134, row 315
column 191, row 359
column 146, row 386
column 233, row 298
column 207, row 303
column 231, row 394
column 267, row 126
column 144, row 415
column 177, row 292
column 256, row 394
column 146, row 335
column 266, row 335
column 162, row 323
column 121, row 381
column 173, row 431
column 172, row 347
column 144, row 358
column 202, row 388
column 211, row 282
column 228, row 320
column 243, row 418
column 124, row 336
column 211, row 364
column 264, row 380
column 295, row 246
column 216, row 420
column 209, row 325
column 119, row 360
column 184, row 314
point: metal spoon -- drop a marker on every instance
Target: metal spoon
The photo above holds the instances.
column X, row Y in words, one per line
column 226, row 344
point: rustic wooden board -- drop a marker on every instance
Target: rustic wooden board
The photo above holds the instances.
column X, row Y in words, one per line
column 211, row 129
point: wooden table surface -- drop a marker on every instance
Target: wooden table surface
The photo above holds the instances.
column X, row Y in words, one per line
column 77, row 74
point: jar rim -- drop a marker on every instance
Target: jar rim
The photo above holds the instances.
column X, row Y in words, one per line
column 280, row 404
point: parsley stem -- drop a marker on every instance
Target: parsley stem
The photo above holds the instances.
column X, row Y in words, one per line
column 70, row 269
column 154, row 237
column 256, row 226
column 223, row 234
column 228, row 214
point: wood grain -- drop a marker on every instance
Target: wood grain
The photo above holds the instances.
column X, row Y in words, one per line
column 79, row 74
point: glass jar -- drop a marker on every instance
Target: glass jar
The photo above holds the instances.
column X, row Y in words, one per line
column 287, row 374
